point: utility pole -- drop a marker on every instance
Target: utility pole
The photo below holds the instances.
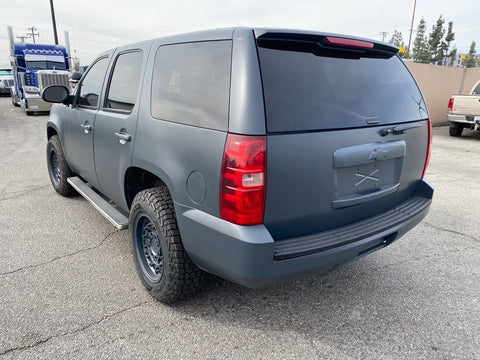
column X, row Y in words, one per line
column 54, row 22
column 32, row 33
column 22, row 38
column 384, row 34
column 411, row 31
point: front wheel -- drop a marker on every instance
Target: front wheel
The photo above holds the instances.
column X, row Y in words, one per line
column 28, row 112
column 58, row 168
column 161, row 261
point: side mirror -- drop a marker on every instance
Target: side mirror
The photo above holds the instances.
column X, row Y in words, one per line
column 76, row 76
column 57, row 94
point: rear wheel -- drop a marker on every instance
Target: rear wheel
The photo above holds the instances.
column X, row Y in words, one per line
column 455, row 129
column 161, row 261
column 58, row 168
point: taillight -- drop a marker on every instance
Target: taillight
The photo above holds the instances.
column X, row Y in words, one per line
column 349, row 42
column 242, row 194
column 450, row 104
column 429, row 150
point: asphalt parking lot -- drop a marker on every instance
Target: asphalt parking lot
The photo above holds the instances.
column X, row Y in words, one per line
column 68, row 287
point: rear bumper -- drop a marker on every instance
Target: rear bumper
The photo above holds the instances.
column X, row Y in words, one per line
column 248, row 255
column 465, row 119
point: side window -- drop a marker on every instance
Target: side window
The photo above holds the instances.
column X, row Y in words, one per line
column 123, row 88
column 191, row 84
column 91, row 85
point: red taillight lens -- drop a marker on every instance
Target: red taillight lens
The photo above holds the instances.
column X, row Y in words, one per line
column 429, row 150
column 349, row 42
column 242, row 194
column 450, row 104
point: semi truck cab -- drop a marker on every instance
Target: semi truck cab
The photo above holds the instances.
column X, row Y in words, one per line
column 36, row 66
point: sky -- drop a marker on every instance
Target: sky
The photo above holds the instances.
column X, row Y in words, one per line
column 96, row 26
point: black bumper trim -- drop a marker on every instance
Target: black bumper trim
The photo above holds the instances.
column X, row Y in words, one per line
column 309, row 244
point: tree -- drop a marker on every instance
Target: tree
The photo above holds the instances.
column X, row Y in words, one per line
column 471, row 59
column 420, row 52
column 435, row 41
column 397, row 40
column 434, row 49
column 450, row 56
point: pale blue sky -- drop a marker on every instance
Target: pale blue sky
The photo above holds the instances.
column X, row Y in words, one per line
column 95, row 26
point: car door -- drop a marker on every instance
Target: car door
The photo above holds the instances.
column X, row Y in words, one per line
column 78, row 137
column 115, row 124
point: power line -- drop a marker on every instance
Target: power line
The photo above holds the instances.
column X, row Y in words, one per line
column 32, row 33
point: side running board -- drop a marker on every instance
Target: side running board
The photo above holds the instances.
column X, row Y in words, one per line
column 116, row 217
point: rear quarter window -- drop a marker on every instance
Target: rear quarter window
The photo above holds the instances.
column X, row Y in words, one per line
column 305, row 92
column 191, row 83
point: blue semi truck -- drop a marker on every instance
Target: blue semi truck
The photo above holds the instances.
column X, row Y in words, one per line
column 35, row 67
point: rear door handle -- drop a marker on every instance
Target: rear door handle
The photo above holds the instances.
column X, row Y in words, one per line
column 123, row 136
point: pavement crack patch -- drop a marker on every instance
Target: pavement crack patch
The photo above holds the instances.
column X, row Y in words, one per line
column 62, row 256
column 73, row 332
column 413, row 259
column 451, row 231
column 14, row 194
column 431, row 255
column 105, row 318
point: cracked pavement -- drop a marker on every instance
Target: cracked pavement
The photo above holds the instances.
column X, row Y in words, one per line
column 68, row 287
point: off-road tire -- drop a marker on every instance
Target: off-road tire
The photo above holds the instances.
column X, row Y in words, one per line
column 58, row 168
column 455, row 130
column 161, row 261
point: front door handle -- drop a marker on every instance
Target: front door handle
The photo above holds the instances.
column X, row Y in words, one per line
column 123, row 136
column 86, row 127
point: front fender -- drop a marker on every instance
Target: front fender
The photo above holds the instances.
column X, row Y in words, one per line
column 56, row 124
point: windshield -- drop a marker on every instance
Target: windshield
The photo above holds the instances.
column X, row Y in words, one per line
column 6, row 72
column 45, row 64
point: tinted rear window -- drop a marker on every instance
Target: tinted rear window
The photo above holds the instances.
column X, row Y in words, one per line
column 306, row 92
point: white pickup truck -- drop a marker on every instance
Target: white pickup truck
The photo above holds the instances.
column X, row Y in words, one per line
column 464, row 111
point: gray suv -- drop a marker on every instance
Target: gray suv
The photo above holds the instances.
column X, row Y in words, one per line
column 256, row 155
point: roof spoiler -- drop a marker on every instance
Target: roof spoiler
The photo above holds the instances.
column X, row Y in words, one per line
column 329, row 45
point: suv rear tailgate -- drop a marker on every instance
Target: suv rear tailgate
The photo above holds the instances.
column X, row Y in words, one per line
column 347, row 131
column 339, row 177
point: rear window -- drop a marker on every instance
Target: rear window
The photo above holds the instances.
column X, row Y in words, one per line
column 305, row 92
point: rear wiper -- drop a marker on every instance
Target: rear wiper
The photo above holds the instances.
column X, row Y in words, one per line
column 399, row 129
